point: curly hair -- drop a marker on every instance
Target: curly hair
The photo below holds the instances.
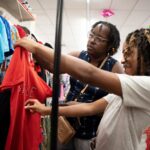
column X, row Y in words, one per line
column 113, row 38
column 141, row 40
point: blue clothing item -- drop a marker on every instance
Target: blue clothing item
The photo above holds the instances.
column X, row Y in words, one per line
column 14, row 34
column 4, row 47
column 1, row 50
column 88, row 127
column 8, row 32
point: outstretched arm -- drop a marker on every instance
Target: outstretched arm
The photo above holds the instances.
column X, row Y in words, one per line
column 82, row 109
column 75, row 67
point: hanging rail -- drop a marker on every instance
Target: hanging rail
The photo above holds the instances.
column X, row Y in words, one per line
column 56, row 80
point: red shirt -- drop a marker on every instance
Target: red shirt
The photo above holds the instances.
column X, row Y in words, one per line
column 24, row 131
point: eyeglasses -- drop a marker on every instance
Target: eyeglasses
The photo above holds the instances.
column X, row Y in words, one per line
column 96, row 38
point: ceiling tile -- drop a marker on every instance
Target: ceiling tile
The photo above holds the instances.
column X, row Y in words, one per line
column 143, row 5
column 123, row 4
column 137, row 18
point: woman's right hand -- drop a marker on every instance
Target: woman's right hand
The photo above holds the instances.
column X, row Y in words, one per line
column 29, row 45
column 33, row 105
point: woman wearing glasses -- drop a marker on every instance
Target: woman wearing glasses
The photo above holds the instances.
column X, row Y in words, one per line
column 103, row 42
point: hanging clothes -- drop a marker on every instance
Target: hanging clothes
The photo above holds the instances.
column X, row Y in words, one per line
column 24, row 131
column 4, row 47
column 4, row 116
column 14, row 34
column 9, row 39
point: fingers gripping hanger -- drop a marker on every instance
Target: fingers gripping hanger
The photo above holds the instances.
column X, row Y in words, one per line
column 56, row 81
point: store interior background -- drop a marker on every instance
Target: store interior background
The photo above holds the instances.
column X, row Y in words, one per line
column 79, row 15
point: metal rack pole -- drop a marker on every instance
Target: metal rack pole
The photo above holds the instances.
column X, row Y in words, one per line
column 56, row 81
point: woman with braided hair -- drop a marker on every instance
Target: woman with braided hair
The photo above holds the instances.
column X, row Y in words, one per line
column 126, row 110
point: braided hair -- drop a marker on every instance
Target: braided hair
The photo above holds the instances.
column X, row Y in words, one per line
column 113, row 38
column 141, row 40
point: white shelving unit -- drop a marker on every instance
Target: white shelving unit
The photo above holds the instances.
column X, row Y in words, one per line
column 16, row 9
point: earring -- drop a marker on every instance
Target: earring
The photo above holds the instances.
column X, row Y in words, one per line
column 113, row 50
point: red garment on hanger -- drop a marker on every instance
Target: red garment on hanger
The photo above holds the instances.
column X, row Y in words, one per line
column 24, row 131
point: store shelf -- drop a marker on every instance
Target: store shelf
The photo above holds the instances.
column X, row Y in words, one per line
column 16, row 9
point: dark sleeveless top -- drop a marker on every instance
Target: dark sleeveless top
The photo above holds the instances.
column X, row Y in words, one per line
column 88, row 127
